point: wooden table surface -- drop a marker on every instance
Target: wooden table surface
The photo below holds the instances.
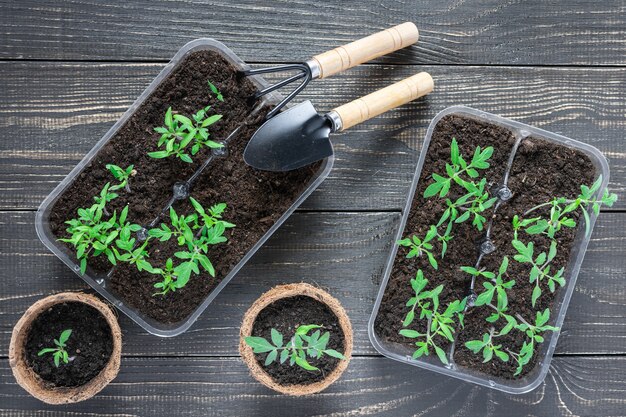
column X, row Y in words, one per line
column 69, row 69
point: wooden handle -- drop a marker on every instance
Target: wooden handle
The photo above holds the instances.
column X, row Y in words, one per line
column 380, row 101
column 366, row 49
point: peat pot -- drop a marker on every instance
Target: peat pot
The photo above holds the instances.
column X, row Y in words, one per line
column 93, row 347
column 285, row 308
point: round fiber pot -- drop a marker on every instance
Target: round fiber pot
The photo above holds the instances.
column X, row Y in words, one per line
column 292, row 293
column 47, row 391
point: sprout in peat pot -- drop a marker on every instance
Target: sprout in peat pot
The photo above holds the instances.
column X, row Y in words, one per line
column 58, row 352
column 486, row 295
column 297, row 349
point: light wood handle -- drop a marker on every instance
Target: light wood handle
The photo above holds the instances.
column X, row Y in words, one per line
column 366, row 49
column 380, row 101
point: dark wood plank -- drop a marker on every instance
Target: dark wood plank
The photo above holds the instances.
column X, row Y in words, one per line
column 577, row 386
column 53, row 113
column 343, row 252
column 452, row 32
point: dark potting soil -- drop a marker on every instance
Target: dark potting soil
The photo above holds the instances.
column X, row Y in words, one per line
column 286, row 315
column 89, row 346
column 255, row 199
column 541, row 171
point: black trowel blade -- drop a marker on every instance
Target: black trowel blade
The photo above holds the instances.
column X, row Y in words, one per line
column 290, row 140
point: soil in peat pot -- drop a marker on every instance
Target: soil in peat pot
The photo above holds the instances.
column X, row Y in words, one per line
column 255, row 199
column 286, row 315
column 90, row 344
column 541, row 171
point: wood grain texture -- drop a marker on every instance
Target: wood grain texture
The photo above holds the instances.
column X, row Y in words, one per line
column 370, row 386
column 344, row 253
column 51, row 114
column 511, row 32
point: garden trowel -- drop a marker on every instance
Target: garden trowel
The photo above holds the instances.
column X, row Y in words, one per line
column 299, row 136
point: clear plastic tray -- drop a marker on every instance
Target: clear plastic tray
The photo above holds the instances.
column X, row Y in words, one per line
column 99, row 281
column 563, row 296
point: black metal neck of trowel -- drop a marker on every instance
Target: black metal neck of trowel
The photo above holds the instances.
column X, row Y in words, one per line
column 335, row 121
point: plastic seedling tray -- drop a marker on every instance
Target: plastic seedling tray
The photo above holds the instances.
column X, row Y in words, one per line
column 544, row 351
column 98, row 281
